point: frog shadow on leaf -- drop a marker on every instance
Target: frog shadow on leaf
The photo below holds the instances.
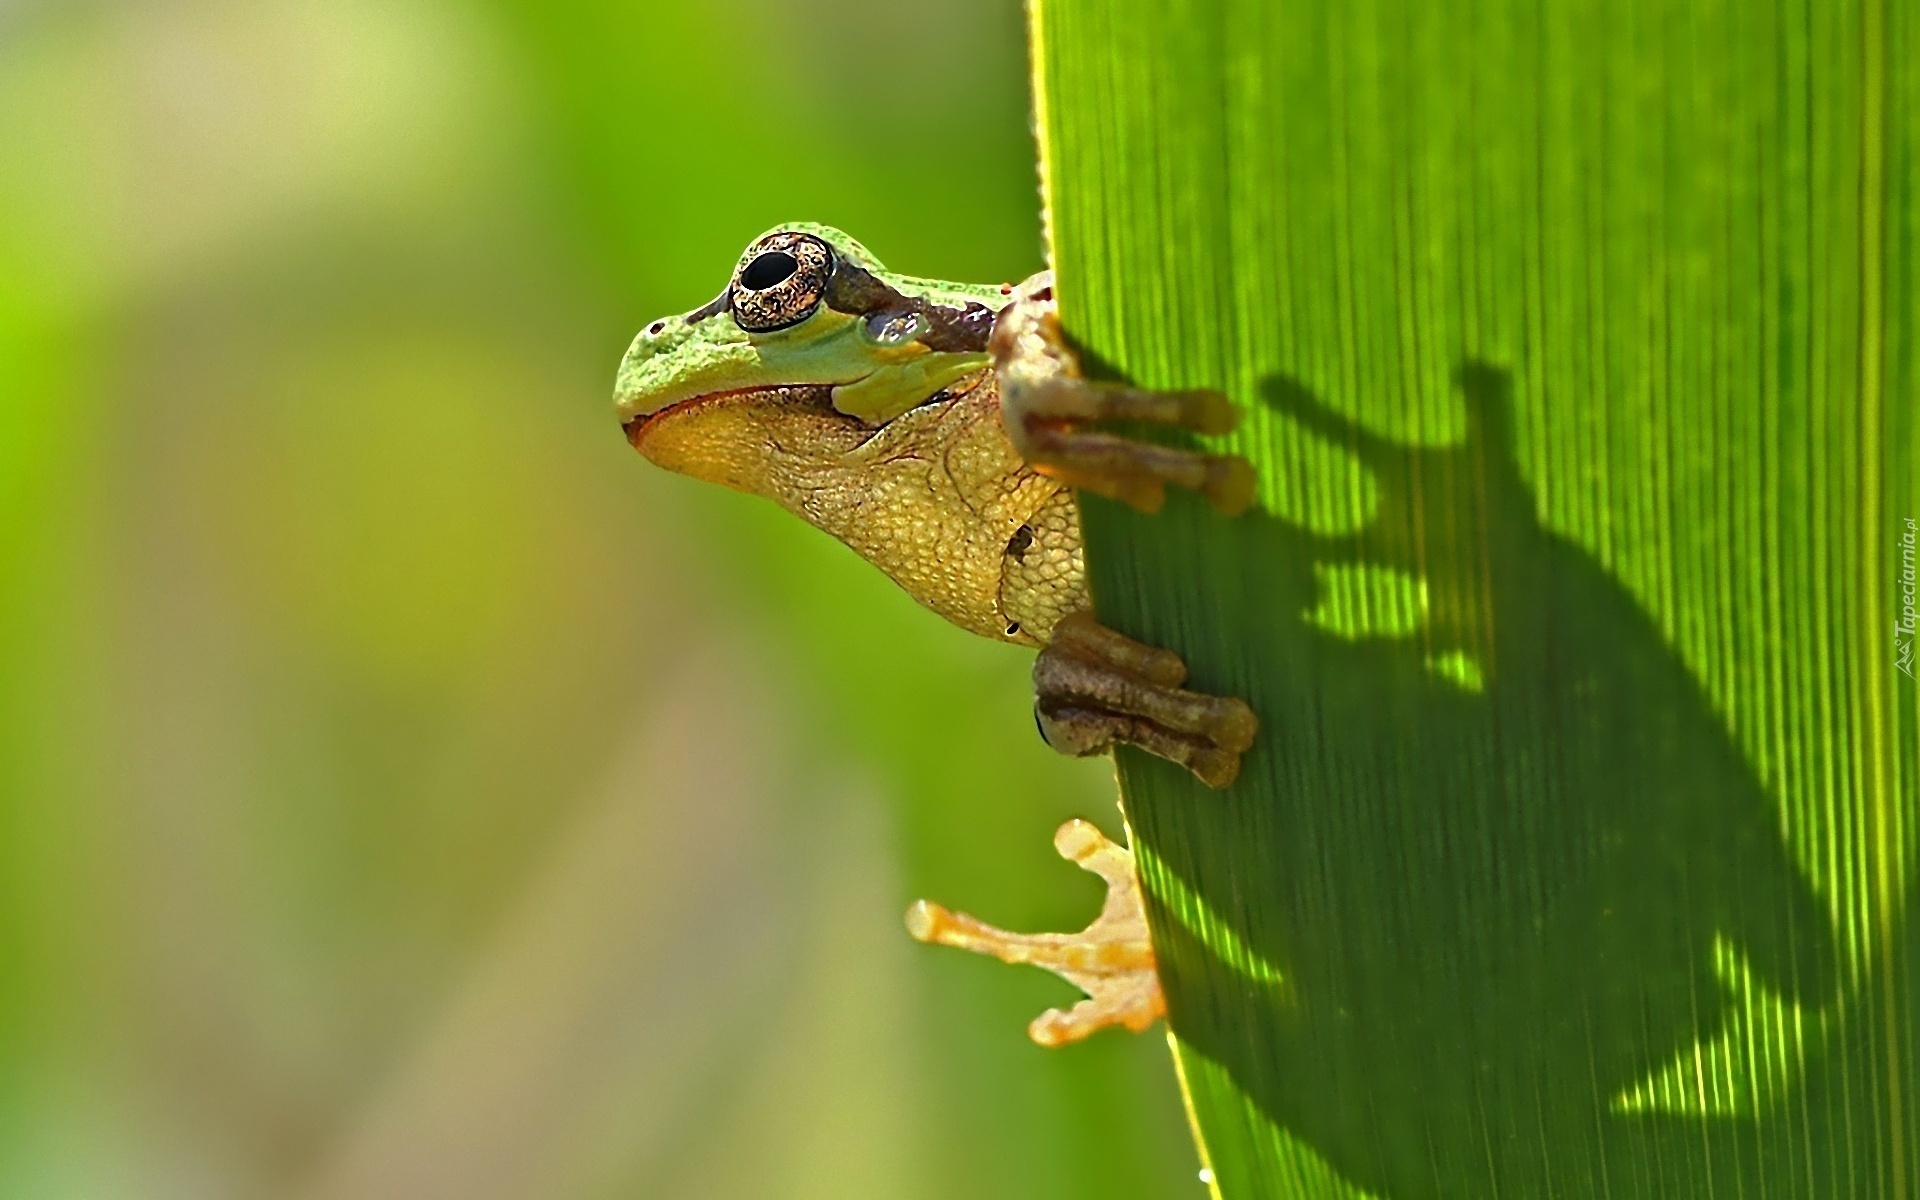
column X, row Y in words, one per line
column 1496, row 901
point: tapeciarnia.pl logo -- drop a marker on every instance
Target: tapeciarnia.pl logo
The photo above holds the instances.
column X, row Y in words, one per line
column 1908, row 619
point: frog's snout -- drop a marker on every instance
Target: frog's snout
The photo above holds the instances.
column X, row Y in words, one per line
column 642, row 365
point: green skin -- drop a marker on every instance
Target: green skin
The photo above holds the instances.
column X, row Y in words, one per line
column 873, row 379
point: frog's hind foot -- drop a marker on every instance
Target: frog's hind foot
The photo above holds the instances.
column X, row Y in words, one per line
column 1047, row 405
column 1110, row 960
column 1094, row 688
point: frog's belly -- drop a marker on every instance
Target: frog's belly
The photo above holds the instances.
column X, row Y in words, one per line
column 1043, row 577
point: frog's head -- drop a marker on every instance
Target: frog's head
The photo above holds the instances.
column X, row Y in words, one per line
column 810, row 337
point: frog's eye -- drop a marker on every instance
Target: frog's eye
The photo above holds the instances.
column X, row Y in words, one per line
column 780, row 282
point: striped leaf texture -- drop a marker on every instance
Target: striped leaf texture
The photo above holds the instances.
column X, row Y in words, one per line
column 1577, row 343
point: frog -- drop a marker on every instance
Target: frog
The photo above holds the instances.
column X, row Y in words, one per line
column 943, row 432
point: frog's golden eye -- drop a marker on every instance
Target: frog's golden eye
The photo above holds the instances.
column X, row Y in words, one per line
column 780, row 282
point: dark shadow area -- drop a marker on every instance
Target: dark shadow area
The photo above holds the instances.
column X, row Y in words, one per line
column 1849, row 1127
column 1493, row 906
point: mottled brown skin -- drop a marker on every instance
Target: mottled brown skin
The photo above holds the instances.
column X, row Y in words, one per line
column 964, row 500
column 937, row 498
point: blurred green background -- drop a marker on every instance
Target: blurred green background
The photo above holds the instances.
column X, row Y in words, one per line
column 407, row 791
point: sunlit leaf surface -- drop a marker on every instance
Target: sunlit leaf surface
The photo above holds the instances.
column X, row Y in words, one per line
column 1578, row 343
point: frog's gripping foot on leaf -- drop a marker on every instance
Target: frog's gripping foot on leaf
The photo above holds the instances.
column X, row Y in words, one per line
column 1110, row 960
column 1094, row 688
column 1047, row 405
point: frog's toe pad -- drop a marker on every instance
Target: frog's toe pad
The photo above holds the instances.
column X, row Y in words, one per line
column 1095, row 688
column 1110, row 960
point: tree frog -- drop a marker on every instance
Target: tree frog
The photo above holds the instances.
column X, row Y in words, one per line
column 940, row 431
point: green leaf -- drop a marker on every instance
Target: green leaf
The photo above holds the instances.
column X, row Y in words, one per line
column 1578, row 344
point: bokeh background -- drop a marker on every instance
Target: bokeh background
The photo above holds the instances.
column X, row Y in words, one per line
column 405, row 790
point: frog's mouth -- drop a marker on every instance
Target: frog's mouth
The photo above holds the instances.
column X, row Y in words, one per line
column 767, row 440
column 817, row 396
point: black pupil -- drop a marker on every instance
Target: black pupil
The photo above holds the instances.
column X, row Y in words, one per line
column 775, row 266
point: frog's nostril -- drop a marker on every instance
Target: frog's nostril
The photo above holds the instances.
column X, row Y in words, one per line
column 656, row 329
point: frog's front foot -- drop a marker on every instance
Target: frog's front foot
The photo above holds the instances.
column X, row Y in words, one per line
column 1110, row 960
column 1094, row 688
column 1048, row 406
